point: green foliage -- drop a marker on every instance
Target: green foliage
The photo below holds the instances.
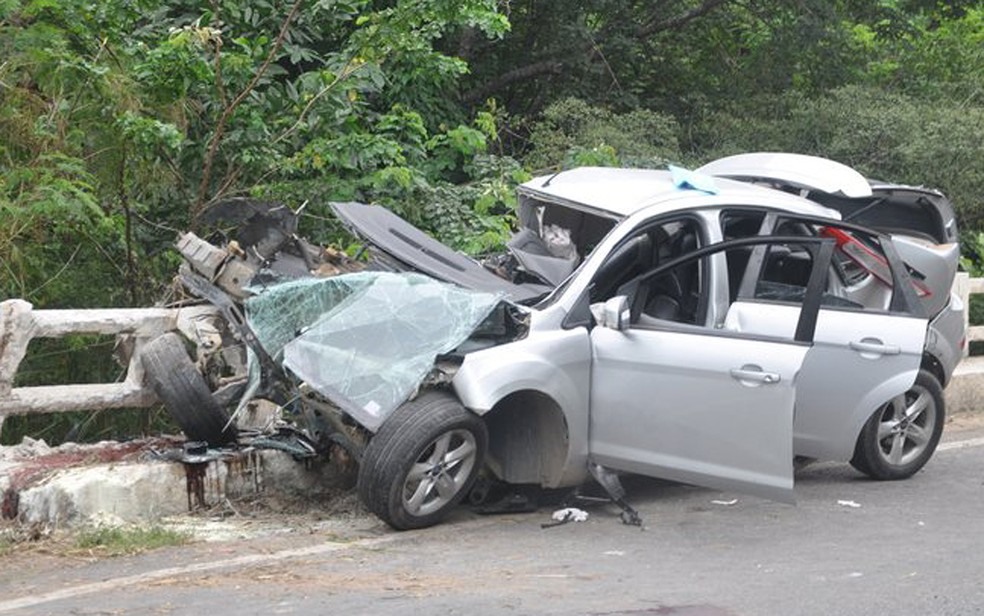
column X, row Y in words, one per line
column 938, row 53
column 121, row 120
column 572, row 133
column 52, row 223
column 972, row 253
column 972, row 262
column 882, row 134
column 86, row 426
column 446, row 183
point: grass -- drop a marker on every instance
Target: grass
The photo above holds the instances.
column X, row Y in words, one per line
column 118, row 541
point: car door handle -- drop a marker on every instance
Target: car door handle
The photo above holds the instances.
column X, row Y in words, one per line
column 865, row 346
column 758, row 376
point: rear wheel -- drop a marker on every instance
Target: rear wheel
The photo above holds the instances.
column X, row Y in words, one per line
column 422, row 461
column 902, row 435
column 184, row 392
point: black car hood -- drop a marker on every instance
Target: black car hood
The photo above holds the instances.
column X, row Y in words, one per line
column 409, row 248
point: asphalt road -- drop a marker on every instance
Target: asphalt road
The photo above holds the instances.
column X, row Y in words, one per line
column 850, row 546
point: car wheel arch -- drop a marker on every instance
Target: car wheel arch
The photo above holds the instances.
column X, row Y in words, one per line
column 529, row 439
column 934, row 366
column 876, row 398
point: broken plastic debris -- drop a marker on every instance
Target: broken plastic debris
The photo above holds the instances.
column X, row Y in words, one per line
column 570, row 514
column 728, row 503
column 848, row 503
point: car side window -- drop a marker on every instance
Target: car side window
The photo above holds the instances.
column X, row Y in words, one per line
column 651, row 246
column 859, row 276
column 788, row 273
column 674, row 295
column 785, row 276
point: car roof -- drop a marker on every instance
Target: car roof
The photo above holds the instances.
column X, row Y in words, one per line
column 620, row 192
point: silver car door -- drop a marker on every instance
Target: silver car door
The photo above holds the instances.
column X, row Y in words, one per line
column 859, row 362
column 864, row 355
column 714, row 410
column 708, row 406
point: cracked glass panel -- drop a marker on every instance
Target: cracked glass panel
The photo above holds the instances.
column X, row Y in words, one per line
column 365, row 340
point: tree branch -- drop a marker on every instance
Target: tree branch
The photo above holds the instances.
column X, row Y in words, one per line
column 213, row 145
column 661, row 25
column 219, row 84
column 543, row 67
column 347, row 71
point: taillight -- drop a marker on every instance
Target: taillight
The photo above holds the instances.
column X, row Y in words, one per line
column 871, row 261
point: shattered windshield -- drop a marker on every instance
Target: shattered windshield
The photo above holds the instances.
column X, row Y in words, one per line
column 365, row 340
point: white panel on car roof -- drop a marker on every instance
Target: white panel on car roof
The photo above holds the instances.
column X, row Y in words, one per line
column 797, row 170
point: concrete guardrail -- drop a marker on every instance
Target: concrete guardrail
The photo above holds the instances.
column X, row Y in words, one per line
column 20, row 323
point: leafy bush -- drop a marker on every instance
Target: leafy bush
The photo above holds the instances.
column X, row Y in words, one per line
column 884, row 135
column 446, row 183
column 572, row 133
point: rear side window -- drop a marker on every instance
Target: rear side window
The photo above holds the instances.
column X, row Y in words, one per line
column 859, row 276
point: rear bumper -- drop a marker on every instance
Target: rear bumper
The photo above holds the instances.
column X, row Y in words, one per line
column 947, row 337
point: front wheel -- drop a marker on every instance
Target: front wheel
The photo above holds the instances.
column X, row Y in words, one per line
column 184, row 392
column 422, row 461
column 902, row 435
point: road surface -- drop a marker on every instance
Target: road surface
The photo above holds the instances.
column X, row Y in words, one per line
column 850, row 546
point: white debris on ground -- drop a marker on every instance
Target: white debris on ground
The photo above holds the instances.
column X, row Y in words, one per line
column 570, row 514
column 849, row 503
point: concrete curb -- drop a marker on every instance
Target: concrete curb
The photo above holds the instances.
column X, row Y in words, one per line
column 965, row 393
column 136, row 489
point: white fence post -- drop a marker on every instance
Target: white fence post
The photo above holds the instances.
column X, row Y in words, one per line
column 20, row 323
column 16, row 331
column 966, row 286
column 961, row 286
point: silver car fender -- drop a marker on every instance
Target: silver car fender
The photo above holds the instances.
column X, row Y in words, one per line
column 553, row 367
column 841, row 448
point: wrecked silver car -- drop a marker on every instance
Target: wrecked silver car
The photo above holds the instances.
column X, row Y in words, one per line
column 675, row 324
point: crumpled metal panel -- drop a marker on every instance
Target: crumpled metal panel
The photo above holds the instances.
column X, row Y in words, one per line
column 365, row 340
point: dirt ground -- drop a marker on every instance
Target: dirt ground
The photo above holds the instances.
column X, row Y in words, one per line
column 962, row 422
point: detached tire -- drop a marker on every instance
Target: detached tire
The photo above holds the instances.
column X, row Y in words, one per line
column 901, row 436
column 422, row 461
column 184, row 392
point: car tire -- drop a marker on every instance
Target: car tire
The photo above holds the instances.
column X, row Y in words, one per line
column 901, row 436
column 183, row 391
column 422, row 461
